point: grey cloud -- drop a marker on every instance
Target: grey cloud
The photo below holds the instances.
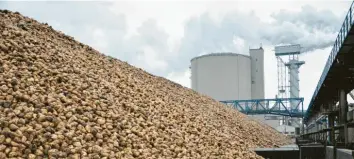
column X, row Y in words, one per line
column 311, row 28
column 150, row 34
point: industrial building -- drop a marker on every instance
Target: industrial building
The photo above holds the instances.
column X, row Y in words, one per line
column 327, row 126
column 231, row 76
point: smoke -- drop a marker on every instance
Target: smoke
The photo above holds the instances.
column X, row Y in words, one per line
column 311, row 19
column 315, row 29
column 290, row 33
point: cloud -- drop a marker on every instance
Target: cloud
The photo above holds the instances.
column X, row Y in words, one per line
column 181, row 78
column 149, row 56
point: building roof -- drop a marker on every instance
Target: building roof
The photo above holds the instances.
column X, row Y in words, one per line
column 220, row 54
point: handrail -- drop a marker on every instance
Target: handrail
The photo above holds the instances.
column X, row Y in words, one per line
column 343, row 32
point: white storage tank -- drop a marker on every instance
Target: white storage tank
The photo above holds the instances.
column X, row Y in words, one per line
column 222, row 76
column 231, row 76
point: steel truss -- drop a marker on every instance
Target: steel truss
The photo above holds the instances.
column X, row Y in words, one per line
column 277, row 106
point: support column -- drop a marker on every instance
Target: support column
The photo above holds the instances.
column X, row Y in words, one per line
column 343, row 109
column 303, row 123
column 331, row 126
column 317, row 129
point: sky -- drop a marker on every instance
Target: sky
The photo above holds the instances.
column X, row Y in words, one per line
column 162, row 37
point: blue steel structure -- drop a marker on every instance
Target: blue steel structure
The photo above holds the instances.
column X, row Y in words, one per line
column 335, row 73
column 277, row 106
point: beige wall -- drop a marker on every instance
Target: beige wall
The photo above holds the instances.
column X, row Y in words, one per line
column 223, row 76
column 257, row 73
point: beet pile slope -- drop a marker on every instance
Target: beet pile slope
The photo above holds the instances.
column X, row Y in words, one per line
column 62, row 99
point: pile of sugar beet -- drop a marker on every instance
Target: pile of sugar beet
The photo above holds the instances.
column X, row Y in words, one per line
column 60, row 98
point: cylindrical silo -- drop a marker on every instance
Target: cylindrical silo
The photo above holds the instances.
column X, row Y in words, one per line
column 222, row 76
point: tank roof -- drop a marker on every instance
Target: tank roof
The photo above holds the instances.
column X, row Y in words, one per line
column 220, row 54
column 261, row 48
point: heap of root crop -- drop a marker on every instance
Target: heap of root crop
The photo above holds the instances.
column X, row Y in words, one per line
column 62, row 99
